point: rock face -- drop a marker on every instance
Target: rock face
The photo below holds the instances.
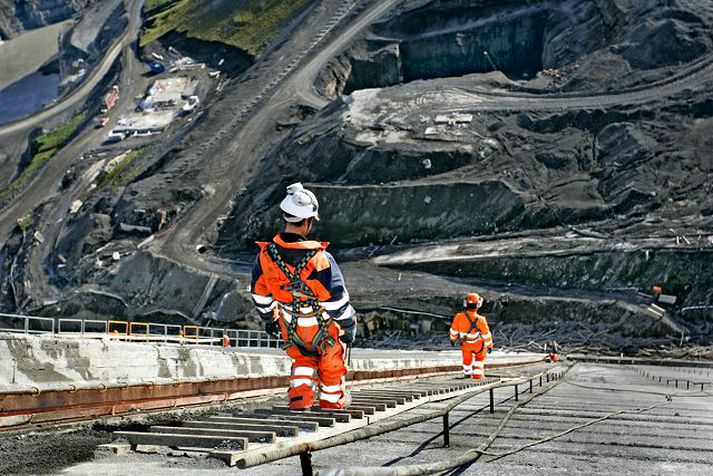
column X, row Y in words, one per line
column 385, row 170
column 33, row 14
column 420, row 146
column 567, row 123
column 9, row 24
column 360, row 215
column 584, row 38
column 27, row 14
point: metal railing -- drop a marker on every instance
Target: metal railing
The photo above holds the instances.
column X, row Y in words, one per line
column 137, row 331
column 31, row 324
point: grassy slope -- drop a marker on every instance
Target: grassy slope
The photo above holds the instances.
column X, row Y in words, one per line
column 245, row 24
column 123, row 173
column 43, row 148
column 59, row 136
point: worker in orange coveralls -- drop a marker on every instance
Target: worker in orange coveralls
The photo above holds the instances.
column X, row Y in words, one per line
column 553, row 352
column 472, row 331
column 299, row 292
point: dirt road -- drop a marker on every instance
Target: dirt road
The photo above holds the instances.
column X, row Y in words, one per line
column 80, row 94
column 39, row 189
column 249, row 145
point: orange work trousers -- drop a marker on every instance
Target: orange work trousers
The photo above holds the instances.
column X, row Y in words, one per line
column 474, row 367
column 323, row 373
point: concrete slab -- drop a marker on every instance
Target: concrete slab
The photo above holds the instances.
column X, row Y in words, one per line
column 262, row 436
column 279, row 430
column 184, row 439
column 301, row 424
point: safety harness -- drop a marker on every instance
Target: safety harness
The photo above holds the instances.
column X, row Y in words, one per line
column 322, row 341
column 473, row 326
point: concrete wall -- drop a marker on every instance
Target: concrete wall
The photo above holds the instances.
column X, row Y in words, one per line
column 52, row 362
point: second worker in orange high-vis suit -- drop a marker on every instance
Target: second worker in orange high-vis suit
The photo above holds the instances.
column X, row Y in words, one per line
column 299, row 292
column 472, row 331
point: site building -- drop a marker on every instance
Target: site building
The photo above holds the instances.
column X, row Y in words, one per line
column 167, row 93
column 144, row 124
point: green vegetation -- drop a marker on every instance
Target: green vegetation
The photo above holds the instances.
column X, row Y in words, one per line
column 245, row 24
column 44, row 147
column 153, row 5
column 37, row 162
column 60, row 136
column 123, row 172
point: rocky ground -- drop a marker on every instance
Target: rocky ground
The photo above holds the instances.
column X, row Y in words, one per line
column 572, row 177
column 553, row 155
column 17, row 16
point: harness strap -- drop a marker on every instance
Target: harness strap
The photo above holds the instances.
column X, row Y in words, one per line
column 300, row 290
column 473, row 324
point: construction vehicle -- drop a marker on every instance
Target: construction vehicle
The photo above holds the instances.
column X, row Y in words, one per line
column 156, row 67
column 113, row 137
column 190, row 105
column 109, row 100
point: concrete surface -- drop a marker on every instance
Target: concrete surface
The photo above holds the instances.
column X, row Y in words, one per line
column 676, row 437
column 646, row 443
column 54, row 362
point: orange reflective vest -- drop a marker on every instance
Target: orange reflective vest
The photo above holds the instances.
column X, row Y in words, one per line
column 321, row 283
column 471, row 327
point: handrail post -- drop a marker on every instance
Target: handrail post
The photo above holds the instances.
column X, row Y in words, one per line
column 306, row 463
column 446, row 431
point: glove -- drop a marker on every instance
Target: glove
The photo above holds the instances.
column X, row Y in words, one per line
column 453, row 343
column 490, row 350
column 272, row 327
column 349, row 328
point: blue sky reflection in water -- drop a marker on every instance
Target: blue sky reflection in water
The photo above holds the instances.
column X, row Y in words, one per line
column 27, row 95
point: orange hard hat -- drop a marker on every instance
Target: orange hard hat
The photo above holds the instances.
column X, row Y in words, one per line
column 473, row 298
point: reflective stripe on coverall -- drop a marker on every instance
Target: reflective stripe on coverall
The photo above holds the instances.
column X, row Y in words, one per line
column 472, row 330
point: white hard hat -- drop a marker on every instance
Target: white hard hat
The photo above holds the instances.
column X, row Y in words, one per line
column 299, row 204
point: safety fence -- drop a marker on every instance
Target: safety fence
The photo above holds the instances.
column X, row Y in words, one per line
column 137, row 331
